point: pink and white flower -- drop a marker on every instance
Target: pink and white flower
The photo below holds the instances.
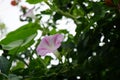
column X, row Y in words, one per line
column 30, row 13
column 49, row 44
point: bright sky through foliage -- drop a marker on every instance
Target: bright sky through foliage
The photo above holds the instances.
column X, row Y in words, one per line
column 10, row 16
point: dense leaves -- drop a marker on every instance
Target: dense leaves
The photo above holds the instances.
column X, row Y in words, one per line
column 4, row 65
column 34, row 1
column 91, row 54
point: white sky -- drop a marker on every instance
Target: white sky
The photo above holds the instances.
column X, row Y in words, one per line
column 9, row 15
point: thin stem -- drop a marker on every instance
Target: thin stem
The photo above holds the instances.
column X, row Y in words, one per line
column 21, row 59
column 66, row 14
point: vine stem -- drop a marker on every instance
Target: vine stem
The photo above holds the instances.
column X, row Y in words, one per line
column 66, row 14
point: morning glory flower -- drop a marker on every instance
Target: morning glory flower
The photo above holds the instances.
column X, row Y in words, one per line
column 50, row 44
column 30, row 13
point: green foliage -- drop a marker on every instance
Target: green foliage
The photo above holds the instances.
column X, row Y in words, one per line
column 34, row 1
column 91, row 54
column 20, row 39
column 4, row 65
column 13, row 77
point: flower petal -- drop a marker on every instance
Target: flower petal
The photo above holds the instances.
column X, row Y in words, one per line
column 58, row 38
column 49, row 44
column 45, row 42
column 30, row 13
column 43, row 51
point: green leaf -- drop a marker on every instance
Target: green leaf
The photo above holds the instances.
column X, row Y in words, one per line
column 21, row 33
column 28, row 39
column 19, row 65
column 22, row 37
column 47, row 12
column 12, row 45
column 37, row 63
column 63, row 31
column 13, row 77
column 37, row 66
column 78, row 12
column 99, row 11
column 34, row 1
column 4, row 65
column 116, row 2
column 47, row 60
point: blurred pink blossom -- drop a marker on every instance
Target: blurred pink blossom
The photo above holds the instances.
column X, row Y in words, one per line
column 49, row 44
column 30, row 13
